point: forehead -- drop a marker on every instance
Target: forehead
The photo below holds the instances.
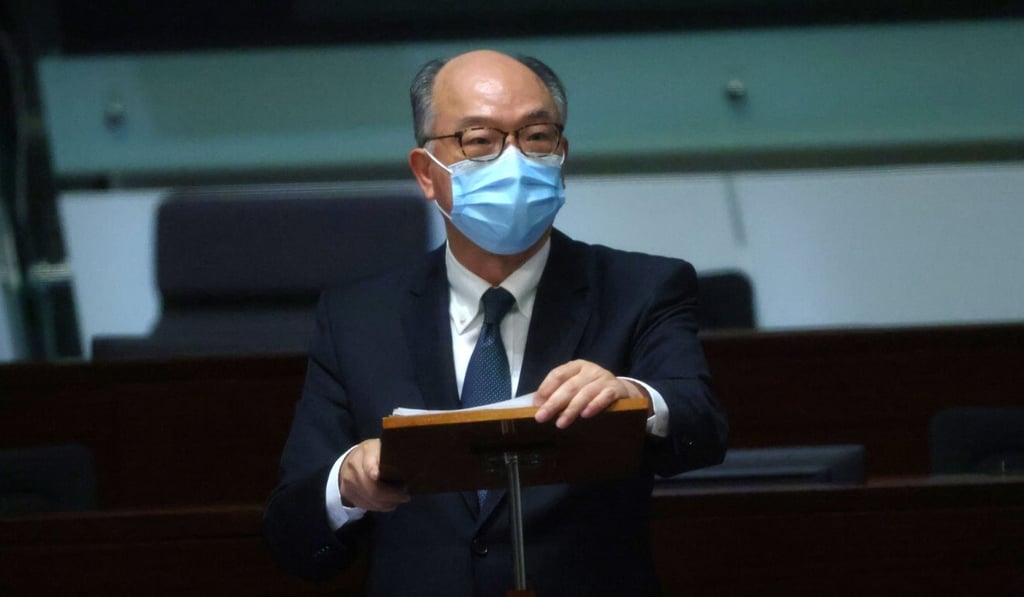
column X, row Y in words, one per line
column 490, row 89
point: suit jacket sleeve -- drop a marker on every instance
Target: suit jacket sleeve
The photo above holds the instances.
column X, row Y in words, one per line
column 634, row 315
column 666, row 354
column 295, row 521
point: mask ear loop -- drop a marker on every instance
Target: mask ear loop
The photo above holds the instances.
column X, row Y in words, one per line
column 449, row 171
column 542, row 159
column 437, row 161
column 446, row 215
column 561, row 159
column 467, row 165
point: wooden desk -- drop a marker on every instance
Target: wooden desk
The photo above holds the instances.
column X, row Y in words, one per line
column 210, row 431
column 164, row 433
column 954, row 536
column 876, row 387
column 214, row 550
column 916, row 536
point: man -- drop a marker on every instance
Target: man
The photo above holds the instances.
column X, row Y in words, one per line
column 584, row 326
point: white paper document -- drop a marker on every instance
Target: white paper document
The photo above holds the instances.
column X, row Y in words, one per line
column 519, row 402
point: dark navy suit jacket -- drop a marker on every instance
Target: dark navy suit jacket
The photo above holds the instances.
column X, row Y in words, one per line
column 386, row 342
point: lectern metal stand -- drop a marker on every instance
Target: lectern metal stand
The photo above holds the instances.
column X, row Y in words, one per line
column 515, row 496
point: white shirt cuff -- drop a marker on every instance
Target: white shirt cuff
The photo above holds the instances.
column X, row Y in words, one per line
column 657, row 424
column 338, row 514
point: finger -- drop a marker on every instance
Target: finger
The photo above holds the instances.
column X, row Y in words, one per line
column 593, row 399
column 555, row 378
column 354, row 481
column 369, row 453
column 585, row 373
column 375, row 496
column 581, row 400
column 359, row 474
column 559, row 399
column 602, row 401
column 383, row 498
column 582, row 373
column 390, row 497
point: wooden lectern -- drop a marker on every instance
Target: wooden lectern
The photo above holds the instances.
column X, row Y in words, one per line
column 466, row 450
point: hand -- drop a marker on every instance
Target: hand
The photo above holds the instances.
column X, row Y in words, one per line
column 360, row 484
column 581, row 389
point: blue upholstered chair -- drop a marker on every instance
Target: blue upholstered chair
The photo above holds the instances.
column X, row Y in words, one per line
column 239, row 272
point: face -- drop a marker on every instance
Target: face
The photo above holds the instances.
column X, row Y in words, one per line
column 478, row 89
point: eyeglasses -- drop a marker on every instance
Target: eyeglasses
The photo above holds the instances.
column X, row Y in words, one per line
column 483, row 144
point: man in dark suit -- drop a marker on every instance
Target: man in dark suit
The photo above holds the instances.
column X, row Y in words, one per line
column 581, row 325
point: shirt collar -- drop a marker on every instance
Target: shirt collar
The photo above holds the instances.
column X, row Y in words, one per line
column 467, row 288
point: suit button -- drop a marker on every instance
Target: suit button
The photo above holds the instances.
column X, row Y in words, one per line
column 479, row 547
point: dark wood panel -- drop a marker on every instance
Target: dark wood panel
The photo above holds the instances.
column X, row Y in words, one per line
column 177, row 432
column 209, row 551
column 909, row 537
column 210, row 431
column 877, row 387
column 901, row 537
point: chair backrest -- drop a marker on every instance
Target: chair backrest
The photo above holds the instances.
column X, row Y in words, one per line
column 977, row 440
column 274, row 246
column 53, row 478
column 726, row 301
column 836, row 463
column 239, row 271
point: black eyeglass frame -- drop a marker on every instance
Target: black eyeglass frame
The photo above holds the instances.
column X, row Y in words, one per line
column 457, row 135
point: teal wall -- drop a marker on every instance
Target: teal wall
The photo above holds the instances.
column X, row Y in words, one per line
column 634, row 100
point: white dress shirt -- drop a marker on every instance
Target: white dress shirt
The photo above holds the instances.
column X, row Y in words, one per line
column 466, row 317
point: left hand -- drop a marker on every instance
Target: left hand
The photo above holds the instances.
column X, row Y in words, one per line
column 581, row 389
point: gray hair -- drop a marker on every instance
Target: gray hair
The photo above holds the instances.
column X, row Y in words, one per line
column 421, row 93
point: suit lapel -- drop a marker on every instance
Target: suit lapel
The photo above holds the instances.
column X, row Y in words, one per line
column 425, row 320
column 560, row 314
column 428, row 334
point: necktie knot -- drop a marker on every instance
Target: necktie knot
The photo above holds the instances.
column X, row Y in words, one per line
column 497, row 302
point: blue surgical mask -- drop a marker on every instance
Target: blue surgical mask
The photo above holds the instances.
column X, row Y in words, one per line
column 504, row 206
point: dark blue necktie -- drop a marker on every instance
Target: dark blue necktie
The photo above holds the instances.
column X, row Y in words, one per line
column 487, row 376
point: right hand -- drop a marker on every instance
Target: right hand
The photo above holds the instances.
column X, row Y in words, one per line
column 360, row 484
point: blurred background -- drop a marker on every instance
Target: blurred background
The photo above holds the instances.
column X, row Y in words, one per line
column 858, row 163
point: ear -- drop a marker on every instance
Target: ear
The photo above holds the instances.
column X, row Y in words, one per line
column 565, row 149
column 420, row 163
